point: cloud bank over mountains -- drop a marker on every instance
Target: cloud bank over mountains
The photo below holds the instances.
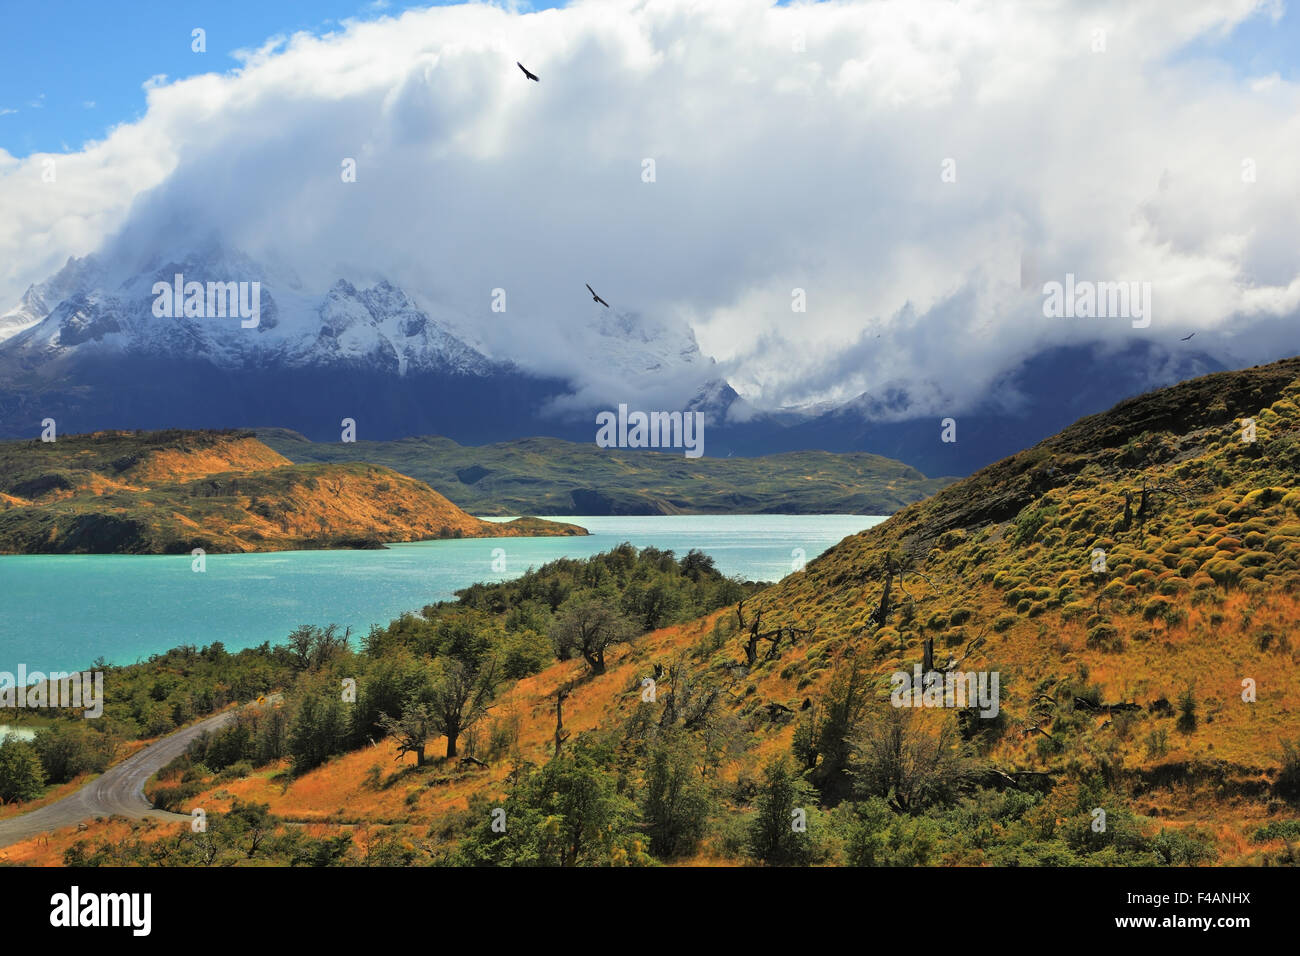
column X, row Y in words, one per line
column 919, row 170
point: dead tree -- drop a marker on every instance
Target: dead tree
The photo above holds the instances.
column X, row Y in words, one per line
column 411, row 730
column 756, row 634
column 1036, row 726
column 974, row 644
column 1042, row 709
column 1019, row 779
column 790, row 631
column 1148, row 500
column 894, row 569
column 776, row 711
column 880, row 616
column 1144, row 505
column 688, row 699
column 561, row 735
column 794, row 634
column 751, row 643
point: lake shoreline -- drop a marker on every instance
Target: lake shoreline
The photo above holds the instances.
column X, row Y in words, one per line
column 125, row 608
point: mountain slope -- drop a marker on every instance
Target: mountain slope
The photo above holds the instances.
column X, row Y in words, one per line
column 556, row 477
column 1201, row 539
column 171, row 492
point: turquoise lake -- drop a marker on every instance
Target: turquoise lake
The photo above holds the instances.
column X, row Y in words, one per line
column 61, row 612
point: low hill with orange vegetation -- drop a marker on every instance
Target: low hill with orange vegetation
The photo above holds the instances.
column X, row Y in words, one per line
column 170, row 492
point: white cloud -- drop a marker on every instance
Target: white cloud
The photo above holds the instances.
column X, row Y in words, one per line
column 775, row 169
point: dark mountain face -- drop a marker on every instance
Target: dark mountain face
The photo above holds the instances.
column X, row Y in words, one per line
column 499, row 403
column 1052, row 390
column 142, row 392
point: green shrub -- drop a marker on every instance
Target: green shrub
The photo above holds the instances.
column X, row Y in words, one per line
column 1183, row 847
column 1157, row 743
column 1287, row 785
column 1030, row 521
column 1105, row 637
column 1186, row 711
column 1075, row 610
column 1156, row 607
column 21, row 775
column 773, row 837
column 1277, row 830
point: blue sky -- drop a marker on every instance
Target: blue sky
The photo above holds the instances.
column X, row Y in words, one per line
column 1259, row 46
column 70, row 70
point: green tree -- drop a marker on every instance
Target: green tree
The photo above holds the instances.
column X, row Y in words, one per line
column 21, row 775
column 566, row 813
column 841, row 711
column 1287, row 785
column 699, row 566
column 411, row 730
column 251, row 824
column 912, row 766
column 774, row 836
column 675, row 806
column 461, row 697
column 524, row 653
column 68, row 749
column 660, row 603
column 1186, row 711
column 318, row 730
column 579, row 810
column 388, row 684
column 310, row 648
column 588, row 625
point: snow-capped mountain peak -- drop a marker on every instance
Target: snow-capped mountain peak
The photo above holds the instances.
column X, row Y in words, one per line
column 635, row 345
column 40, row 299
column 179, row 307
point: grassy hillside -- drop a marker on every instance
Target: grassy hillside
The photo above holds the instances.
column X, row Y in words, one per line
column 171, row 492
column 1149, row 708
column 550, row 476
column 1200, row 590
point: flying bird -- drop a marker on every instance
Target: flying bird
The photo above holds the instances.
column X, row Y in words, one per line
column 531, row 76
column 1186, row 337
column 596, row 298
